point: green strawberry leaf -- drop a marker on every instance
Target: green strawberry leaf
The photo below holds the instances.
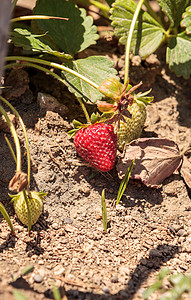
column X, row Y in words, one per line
column 179, row 55
column 174, row 9
column 186, row 22
column 28, row 41
column 148, row 32
column 95, row 68
column 71, row 36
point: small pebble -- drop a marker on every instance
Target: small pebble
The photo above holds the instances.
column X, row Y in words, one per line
column 114, row 279
column 68, row 221
column 106, row 290
column 41, row 262
column 38, row 278
column 55, row 226
column 181, row 232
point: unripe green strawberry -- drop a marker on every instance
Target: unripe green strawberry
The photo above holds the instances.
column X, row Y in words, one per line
column 133, row 128
column 35, row 205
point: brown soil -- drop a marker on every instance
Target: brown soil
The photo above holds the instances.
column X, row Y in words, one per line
column 149, row 229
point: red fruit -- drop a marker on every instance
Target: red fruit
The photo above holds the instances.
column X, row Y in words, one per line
column 97, row 144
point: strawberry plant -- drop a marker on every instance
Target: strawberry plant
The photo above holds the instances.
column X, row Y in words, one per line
column 27, row 204
column 170, row 28
column 60, row 30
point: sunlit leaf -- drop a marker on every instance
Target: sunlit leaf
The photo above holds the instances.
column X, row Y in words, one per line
column 28, row 41
column 174, row 9
column 148, row 32
column 95, row 68
column 186, row 22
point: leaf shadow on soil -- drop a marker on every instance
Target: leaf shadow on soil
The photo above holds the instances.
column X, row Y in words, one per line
column 156, row 258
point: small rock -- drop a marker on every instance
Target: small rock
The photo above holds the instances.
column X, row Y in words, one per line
column 55, row 226
column 68, row 221
column 47, row 102
column 114, row 279
column 38, row 278
column 69, row 228
column 59, row 270
column 120, row 207
column 106, row 290
column 181, row 232
column 41, row 262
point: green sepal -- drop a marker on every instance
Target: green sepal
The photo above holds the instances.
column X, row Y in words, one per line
column 73, row 131
column 142, row 97
column 94, row 118
column 111, row 88
column 77, row 123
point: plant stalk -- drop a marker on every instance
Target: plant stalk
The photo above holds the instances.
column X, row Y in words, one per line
column 35, row 17
column 84, row 109
column 53, row 65
column 25, row 135
column 15, row 137
column 129, row 38
column 11, row 149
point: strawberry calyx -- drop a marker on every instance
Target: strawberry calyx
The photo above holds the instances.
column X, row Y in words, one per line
column 117, row 106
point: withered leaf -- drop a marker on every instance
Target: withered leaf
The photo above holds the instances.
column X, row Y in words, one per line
column 16, row 83
column 155, row 160
column 186, row 170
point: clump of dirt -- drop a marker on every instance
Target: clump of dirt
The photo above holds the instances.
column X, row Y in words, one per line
column 149, row 229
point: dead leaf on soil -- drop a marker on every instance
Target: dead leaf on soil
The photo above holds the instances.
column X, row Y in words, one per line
column 186, row 170
column 155, row 160
column 16, row 83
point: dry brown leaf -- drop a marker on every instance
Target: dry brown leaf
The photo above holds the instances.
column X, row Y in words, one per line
column 155, row 160
column 16, row 83
column 186, row 170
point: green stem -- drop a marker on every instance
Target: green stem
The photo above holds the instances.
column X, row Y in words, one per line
column 25, row 135
column 84, row 110
column 152, row 13
column 129, row 38
column 11, row 149
column 28, row 209
column 15, row 137
column 35, row 17
column 53, row 65
column 100, row 5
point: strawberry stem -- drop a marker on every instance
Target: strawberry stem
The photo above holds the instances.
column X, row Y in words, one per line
column 25, row 135
column 129, row 38
column 84, row 110
column 15, row 137
column 35, row 17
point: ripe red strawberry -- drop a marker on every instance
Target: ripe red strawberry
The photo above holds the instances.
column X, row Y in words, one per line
column 97, row 144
